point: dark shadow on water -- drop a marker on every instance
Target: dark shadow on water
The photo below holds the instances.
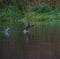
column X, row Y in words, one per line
column 43, row 43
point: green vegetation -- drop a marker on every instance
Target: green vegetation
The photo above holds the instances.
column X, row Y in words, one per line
column 42, row 12
column 42, row 8
column 12, row 12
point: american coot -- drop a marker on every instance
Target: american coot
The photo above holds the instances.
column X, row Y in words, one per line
column 6, row 32
column 28, row 25
column 26, row 31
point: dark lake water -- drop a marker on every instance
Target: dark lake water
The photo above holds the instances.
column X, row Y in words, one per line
column 44, row 43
